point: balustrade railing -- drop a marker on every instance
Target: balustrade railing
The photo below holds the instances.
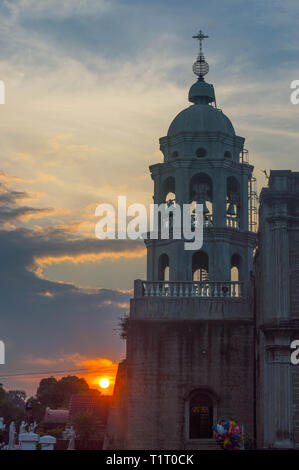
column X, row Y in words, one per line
column 232, row 222
column 192, row 289
column 207, row 221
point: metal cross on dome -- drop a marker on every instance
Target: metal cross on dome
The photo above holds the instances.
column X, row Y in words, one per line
column 200, row 66
column 200, row 36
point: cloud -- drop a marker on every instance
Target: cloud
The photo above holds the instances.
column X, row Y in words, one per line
column 99, row 368
column 9, row 177
column 11, row 212
column 55, row 8
column 46, row 324
column 90, row 89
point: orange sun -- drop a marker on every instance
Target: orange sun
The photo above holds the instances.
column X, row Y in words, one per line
column 104, row 382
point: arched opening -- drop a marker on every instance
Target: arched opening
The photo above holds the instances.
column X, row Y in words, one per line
column 163, row 268
column 168, row 189
column 168, row 197
column 201, row 192
column 235, row 266
column 234, row 274
column 232, row 202
column 200, row 266
column 200, row 415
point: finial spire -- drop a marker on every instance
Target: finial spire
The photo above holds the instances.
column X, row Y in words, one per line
column 200, row 66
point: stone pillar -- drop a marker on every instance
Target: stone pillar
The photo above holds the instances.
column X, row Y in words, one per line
column 158, row 193
column 219, row 198
column 138, row 289
column 280, row 264
column 182, row 184
column 278, row 399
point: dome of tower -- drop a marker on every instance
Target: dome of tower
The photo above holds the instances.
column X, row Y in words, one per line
column 201, row 118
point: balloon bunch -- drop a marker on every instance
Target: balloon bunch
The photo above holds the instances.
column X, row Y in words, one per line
column 228, row 435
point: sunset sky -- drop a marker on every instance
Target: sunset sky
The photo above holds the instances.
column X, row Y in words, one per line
column 91, row 85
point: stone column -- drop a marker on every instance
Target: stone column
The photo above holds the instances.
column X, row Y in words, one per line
column 280, row 272
column 219, row 198
column 278, row 394
column 158, row 199
column 182, row 184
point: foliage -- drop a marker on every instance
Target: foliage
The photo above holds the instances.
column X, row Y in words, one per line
column 124, row 326
column 2, row 392
column 11, row 409
column 71, row 385
column 51, row 392
column 17, row 397
column 11, row 412
column 48, row 393
column 57, row 393
column 85, row 424
column 35, row 410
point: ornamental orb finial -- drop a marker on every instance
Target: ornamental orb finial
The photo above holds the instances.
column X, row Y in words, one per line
column 200, row 66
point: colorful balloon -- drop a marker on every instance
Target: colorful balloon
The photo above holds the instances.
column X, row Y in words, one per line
column 228, row 435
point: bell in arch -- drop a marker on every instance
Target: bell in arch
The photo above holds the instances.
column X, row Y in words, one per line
column 205, row 210
column 231, row 209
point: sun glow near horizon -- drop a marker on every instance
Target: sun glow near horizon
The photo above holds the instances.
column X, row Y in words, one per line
column 104, row 382
column 101, row 373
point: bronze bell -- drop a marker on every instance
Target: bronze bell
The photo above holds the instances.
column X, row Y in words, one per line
column 231, row 209
column 205, row 210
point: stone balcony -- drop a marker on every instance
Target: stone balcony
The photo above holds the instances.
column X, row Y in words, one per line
column 189, row 289
column 164, row 300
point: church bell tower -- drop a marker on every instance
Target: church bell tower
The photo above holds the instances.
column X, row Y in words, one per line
column 190, row 336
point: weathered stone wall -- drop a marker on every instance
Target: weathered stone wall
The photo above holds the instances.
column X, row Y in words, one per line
column 116, row 430
column 193, row 308
column 294, row 269
column 167, row 360
column 296, row 404
column 294, row 293
column 277, row 300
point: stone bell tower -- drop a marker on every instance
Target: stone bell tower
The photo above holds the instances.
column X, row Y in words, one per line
column 190, row 336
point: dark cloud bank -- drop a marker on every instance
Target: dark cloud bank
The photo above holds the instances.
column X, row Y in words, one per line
column 41, row 318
